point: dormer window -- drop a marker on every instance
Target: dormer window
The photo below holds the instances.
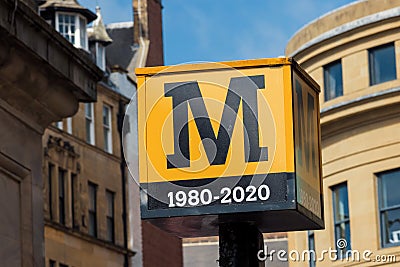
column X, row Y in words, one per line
column 73, row 28
column 98, row 40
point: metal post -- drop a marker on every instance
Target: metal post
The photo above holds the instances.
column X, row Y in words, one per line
column 239, row 244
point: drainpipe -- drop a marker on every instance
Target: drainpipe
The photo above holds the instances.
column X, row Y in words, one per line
column 120, row 116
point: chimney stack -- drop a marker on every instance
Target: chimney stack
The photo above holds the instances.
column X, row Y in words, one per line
column 148, row 30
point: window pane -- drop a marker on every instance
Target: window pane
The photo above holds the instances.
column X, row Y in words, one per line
column 89, row 123
column 61, row 196
column 92, row 188
column 107, row 129
column 88, row 131
column 106, row 113
column 391, row 227
column 82, row 32
column 341, row 205
column 342, row 231
column 333, row 83
column 74, row 189
column 382, row 64
column 50, row 189
column 110, row 203
column 88, row 110
column 92, row 224
column 311, row 247
column 66, row 26
column 341, row 217
column 92, row 197
column 59, row 125
column 69, row 125
column 72, row 21
column 389, row 204
column 389, row 184
column 106, row 139
column 110, row 229
column 100, row 56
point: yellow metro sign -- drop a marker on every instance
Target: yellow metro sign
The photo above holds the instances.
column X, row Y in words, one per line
column 238, row 139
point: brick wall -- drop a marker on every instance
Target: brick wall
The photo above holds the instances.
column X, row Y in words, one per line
column 160, row 248
column 156, row 54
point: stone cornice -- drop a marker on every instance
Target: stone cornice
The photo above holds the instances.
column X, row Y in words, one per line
column 42, row 75
column 359, row 112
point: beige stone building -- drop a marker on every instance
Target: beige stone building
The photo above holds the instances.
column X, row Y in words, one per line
column 92, row 214
column 42, row 80
column 354, row 54
column 84, row 171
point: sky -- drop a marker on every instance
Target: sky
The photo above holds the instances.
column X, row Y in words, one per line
column 223, row 30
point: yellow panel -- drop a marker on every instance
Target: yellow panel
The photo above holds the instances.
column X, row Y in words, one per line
column 274, row 113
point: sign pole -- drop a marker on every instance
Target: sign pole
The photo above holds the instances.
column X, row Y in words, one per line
column 239, row 244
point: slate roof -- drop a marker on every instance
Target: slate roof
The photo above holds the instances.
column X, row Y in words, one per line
column 122, row 50
column 68, row 5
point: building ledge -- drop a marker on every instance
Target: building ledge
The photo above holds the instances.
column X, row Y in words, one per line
column 41, row 74
column 360, row 111
column 96, row 241
column 347, row 27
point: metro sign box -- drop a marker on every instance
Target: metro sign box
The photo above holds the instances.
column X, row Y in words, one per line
column 229, row 142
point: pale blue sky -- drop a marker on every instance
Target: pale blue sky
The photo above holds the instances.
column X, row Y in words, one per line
column 210, row 30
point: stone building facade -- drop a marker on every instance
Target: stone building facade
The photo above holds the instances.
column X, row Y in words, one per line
column 84, row 172
column 354, row 54
column 84, row 187
column 92, row 215
column 38, row 85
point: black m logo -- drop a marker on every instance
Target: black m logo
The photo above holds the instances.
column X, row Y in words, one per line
column 185, row 94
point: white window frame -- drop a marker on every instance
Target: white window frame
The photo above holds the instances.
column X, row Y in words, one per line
column 91, row 119
column 79, row 43
column 107, row 129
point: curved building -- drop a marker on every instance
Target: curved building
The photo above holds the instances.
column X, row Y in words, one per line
column 354, row 54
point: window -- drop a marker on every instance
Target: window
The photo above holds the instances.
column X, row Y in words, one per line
column 333, row 81
column 382, row 64
column 63, row 265
column 52, row 263
column 89, row 120
column 74, row 189
column 82, row 33
column 69, row 125
column 66, row 26
column 389, row 207
column 311, row 248
column 61, row 196
column 50, row 189
column 341, row 218
column 73, row 28
column 92, row 209
column 107, row 129
column 100, row 56
column 59, row 125
column 110, row 216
